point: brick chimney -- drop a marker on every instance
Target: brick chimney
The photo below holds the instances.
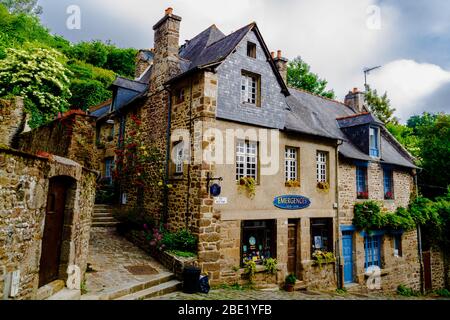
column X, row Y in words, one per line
column 281, row 64
column 166, row 46
column 355, row 99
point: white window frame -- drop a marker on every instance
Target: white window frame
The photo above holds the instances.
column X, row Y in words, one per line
column 246, row 158
column 321, row 167
column 179, row 157
column 291, row 164
column 376, row 134
column 249, row 88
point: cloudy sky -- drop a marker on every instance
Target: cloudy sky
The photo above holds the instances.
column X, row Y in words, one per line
column 409, row 39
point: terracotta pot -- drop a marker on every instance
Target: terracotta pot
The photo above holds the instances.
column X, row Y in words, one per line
column 289, row 287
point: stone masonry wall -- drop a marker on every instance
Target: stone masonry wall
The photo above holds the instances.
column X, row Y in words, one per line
column 24, row 181
column 395, row 270
column 12, row 120
column 72, row 137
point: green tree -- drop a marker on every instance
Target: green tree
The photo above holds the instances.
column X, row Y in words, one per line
column 380, row 106
column 435, row 154
column 40, row 77
column 406, row 136
column 121, row 61
column 22, row 6
column 299, row 76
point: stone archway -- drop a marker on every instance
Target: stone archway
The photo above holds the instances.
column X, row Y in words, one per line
column 55, row 253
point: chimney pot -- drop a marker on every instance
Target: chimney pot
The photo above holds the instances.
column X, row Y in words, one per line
column 169, row 11
column 279, row 54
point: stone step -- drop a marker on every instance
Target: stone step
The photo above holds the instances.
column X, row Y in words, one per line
column 103, row 211
column 158, row 290
column 102, row 214
column 104, row 224
column 300, row 285
column 118, row 292
column 66, row 294
column 103, row 219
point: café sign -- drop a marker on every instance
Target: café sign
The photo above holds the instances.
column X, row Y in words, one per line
column 291, row 202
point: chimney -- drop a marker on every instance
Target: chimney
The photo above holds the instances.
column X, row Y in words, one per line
column 281, row 64
column 355, row 99
column 166, row 46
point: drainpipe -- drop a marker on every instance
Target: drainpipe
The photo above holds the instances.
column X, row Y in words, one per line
column 419, row 242
column 338, row 242
column 166, row 174
column 188, row 196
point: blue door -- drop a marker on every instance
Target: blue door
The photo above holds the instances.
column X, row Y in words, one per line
column 347, row 252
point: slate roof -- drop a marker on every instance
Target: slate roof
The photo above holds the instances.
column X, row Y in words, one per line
column 314, row 115
column 134, row 85
column 101, row 111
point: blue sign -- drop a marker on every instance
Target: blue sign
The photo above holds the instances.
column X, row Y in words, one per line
column 215, row 190
column 291, row 202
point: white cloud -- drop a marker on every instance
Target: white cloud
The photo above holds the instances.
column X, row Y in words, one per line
column 332, row 36
column 407, row 82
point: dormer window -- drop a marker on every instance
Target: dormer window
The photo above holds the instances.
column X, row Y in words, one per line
column 374, row 141
column 251, row 50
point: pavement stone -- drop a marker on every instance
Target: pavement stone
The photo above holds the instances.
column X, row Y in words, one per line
column 109, row 254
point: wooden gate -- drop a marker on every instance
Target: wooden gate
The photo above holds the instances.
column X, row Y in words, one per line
column 53, row 230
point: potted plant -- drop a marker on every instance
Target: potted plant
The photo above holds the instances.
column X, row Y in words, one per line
column 249, row 184
column 321, row 185
column 292, row 183
column 290, row 281
column 389, row 196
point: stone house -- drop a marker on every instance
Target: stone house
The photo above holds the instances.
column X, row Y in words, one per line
column 47, row 194
column 219, row 111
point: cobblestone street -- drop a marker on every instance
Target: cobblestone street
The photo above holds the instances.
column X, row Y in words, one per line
column 232, row 294
column 116, row 262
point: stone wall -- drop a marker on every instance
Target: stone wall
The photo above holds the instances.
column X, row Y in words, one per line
column 395, row 270
column 24, row 181
column 72, row 136
column 12, row 119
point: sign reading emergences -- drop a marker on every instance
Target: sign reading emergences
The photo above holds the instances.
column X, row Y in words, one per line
column 291, row 202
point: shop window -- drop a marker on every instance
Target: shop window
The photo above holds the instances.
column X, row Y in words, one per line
column 321, row 235
column 258, row 241
column 246, row 160
column 398, row 245
column 388, row 184
column 361, row 182
column 372, row 249
column 291, row 164
column 322, row 163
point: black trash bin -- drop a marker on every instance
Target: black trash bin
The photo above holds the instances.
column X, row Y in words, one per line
column 191, row 277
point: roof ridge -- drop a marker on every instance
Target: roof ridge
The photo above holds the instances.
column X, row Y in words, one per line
column 226, row 36
column 319, row 96
column 353, row 115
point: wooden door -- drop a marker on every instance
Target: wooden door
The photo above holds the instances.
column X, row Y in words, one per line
column 427, row 270
column 347, row 253
column 53, row 230
column 292, row 248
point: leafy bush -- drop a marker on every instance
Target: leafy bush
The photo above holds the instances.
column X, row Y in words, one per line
column 87, row 93
column 271, row 265
column 402, row 290
column 442, row 293
column 182, row 240
column 291, row 279
column 250, row 270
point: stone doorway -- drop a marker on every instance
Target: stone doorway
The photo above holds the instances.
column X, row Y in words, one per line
column 58, row 216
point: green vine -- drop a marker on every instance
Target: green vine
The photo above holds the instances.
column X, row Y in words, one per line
column 249, row 184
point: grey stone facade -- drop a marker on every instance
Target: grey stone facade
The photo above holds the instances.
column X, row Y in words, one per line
column 271, row 113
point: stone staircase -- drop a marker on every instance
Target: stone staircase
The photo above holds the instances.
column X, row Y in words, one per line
column 103, row 216
column 159, row 285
